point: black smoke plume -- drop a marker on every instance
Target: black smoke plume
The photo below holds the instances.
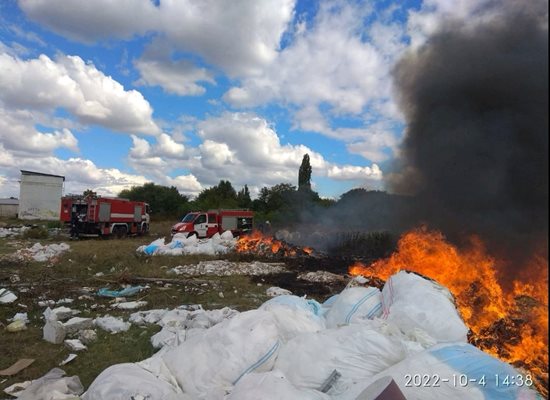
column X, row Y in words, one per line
column 475, row 154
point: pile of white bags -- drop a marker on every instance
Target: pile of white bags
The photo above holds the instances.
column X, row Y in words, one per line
column 180, row 244
column 289, row 346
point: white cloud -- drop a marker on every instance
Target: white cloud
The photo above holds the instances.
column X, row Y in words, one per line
column 244, row 149
column 176, row 77
column 187, row 184
column 80, row 88
column 80, row 174
column 88, row 21
column 336, row 68
column 238, row 36
column 17, row 133
column 349, row 172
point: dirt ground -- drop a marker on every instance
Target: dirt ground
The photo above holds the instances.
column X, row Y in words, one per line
column 91, row 264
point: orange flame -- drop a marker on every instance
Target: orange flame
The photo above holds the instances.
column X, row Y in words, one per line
column 471, row 275
column 260, row 244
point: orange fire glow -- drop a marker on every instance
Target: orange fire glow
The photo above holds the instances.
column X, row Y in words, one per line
column 259, row 244
column 471, row 275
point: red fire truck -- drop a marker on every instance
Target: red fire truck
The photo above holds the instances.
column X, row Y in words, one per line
column 103, row 216
column 205, row 224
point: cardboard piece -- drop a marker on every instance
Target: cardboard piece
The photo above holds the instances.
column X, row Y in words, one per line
column 18, row 366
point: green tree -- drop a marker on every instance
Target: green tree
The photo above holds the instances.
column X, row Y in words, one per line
column 165, row 201
column 223, row 195
column 243, row 198
column 304, row 174
column 89, row 192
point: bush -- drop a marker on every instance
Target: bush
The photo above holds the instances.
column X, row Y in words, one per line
column 54, row 225
column 36, row 232
column 366, row 244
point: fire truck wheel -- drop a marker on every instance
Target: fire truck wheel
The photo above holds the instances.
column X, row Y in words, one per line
column 119, row 231
column 192, row 233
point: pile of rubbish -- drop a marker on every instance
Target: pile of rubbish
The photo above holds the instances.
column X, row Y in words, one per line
column 226, row 268
column 181, row 244
column 409, row 334
column 13, row 231
column 41, row 253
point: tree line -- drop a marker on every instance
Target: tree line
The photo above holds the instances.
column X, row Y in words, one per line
column 283, row 204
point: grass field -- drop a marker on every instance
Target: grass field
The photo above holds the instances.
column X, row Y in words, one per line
column 119, row 263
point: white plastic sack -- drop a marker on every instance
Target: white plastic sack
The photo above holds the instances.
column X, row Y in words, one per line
column 412, row 302
column 223, row 354
column 356, row 351
column 129, row 381
column 112, row 324
column 452, row 372
column 295, row 315
column 352, row 305
column 271, row 385
column 53, row 386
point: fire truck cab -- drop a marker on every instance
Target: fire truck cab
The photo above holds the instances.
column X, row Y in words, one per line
column 205, row 224
column 104, row 216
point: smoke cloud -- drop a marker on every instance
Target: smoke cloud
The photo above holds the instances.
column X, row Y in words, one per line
column 475, row 154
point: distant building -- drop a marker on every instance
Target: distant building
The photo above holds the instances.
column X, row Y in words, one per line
column 9, row 208
column 40, row 195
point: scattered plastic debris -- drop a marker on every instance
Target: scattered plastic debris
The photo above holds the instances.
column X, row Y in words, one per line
column 277, row 291
column 76, row 324
column 46, row 303
column 7, row 296
column 17, row 388
column 226, row 268
column 75, row 345
column 112, row 324
column 129, row 305
column 41, row 253
column 13, row 231
column 54, row 331
column 87, row 336
column 321, row 277
column 17, row 326
column 129, row 291
column 67, row 360
column 59, row 313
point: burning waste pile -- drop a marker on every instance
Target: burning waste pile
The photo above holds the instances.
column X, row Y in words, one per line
column 292, row 347
column 181, row 244
column 267, row 246
column 511, row 324
column 255, row 243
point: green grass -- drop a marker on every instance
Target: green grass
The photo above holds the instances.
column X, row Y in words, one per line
column 119, row 263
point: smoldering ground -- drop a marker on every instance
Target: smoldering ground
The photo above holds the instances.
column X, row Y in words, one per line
column 475, row 152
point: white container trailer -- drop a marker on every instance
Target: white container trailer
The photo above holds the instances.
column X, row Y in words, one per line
column 40, row 195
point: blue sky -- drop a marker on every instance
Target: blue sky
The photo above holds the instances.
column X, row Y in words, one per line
column 112, row 94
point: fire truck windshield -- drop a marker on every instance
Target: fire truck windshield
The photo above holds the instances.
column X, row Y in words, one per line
column 189, row 218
